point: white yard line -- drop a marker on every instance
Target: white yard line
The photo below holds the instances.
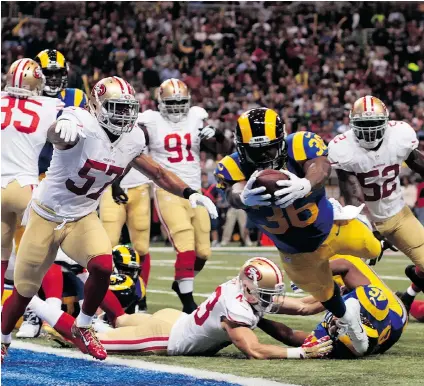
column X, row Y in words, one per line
column 150, row 366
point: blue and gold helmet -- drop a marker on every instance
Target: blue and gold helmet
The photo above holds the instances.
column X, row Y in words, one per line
column 55, row 69
column 127, row 261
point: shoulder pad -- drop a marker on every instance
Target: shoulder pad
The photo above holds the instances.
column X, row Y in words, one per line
column 305, row 145
column 228, row 171
column 199, row 112
column 240, row 312
column 405, row 137
column 147, row 116
column 340, row 151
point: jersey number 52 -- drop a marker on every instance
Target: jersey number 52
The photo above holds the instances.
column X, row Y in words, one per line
column 383, row 191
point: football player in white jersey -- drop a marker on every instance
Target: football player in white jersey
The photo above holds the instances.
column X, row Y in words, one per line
column 25, row 119
column 91, row 148
column 173, row 136
column 368, row 159
column 227, row 317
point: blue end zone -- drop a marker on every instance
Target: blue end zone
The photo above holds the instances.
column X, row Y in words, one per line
column 29, row 368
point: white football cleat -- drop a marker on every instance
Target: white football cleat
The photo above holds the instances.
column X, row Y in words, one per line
column 31, row 326
column 350, row 325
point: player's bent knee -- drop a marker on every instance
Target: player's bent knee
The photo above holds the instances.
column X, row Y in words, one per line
column 100, row 265
column 141, row 247
column 27, row 289
column 203, row 253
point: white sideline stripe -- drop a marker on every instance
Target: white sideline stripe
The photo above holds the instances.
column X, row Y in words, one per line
column 158, row 291
column 400, row 278
column 150, row 366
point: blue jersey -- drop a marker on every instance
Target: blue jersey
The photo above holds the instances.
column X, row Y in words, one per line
column 301, row 227
column 381, row 320
column 70, row 97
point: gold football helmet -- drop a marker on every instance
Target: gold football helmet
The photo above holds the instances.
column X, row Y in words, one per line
column 174, row 100
column 368, row 121
column 113, row 103
column 261, row 281
column 55, row 69
column 24, row 79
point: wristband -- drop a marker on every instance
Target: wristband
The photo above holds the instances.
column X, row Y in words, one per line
column 295, row 353
column 187, row 192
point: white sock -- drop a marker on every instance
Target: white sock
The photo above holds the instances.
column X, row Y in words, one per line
column 80, row 303
column 54, row 302
column 84, row 320
column 45, row 311
column 186, row 285
column 6, row 339
column 411, row 292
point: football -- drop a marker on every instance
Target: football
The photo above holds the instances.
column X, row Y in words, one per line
column 268, row 178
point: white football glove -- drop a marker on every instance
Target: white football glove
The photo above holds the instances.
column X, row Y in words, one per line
column 68, row 130
column 294, row 188
column 253, row 197
column 197, row 199
column 207, row 132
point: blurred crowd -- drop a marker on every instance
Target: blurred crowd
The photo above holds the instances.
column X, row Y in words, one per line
column 307, row 60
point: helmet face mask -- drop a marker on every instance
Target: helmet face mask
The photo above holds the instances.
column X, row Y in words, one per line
column 261, row 282
column 260, row 139
column 368, row 121
column 174, row 100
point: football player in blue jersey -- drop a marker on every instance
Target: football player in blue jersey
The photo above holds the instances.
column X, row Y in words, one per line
column 300, row 219
column 55, row 70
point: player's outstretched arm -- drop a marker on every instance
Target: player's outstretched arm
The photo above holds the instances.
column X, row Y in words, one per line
column 303, row 306
column 317, row 171
column 415, row 162
column 171, row 183
column 282, row 333
column 247, row 342
column 65, row 134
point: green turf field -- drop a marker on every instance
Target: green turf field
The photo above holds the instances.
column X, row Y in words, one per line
column 402, row 365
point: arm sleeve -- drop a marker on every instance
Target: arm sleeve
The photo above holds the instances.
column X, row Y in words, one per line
column 407, row 140
column 240, row 312
column 228, row 172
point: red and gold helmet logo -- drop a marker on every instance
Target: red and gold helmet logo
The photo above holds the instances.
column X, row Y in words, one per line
column 252, row 273
column 99, row 89
column 37, row 73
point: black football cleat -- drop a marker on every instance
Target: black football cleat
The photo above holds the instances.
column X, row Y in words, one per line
column 187, row 300
column 418, row 281
column 406, row 299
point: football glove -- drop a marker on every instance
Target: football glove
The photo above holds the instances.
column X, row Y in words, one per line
column 69, row 131
column 316, row 348
column 294, row 188
column 385, row 244
column 207, row 132
column 118, row 194
column 197, row 199
column 252, row 196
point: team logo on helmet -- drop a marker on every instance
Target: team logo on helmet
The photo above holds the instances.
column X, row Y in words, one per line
column 38, row 73
column 252, row 273
column 99, row 89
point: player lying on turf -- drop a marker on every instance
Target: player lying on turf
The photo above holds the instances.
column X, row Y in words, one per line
column 383, row 315
column 228, row 316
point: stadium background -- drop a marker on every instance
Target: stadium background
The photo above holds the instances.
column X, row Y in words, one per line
column 308, row 61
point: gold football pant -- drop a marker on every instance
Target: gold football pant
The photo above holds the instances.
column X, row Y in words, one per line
column 135, row 213
column 81, row 240
column 143, row 333
column 14, row 200
column 405, row 232
column 311, row 271
column 188, row 229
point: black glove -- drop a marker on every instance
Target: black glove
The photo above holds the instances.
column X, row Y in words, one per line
column 385, row 244
column 118, row 194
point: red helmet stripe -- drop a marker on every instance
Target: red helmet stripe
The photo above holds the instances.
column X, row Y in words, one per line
column 17, row 79
column 372, row 103
column 173, row 86
column 365, row 103
column 22, row 73
column 277, row 271
column 120, row 84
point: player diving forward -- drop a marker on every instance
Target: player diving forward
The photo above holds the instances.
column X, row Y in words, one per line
column 173, row 136
column 92, row 148
column 368, row 159
column 300, row 221
column 228, row 316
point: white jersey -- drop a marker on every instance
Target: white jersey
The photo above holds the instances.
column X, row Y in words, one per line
column 201, row 332
column 77, row 177
column 24, row 126
column 176, row 146
column 377, row 171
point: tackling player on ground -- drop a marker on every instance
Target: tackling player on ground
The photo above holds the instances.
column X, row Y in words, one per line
column 368, row 159
column 300, row 220
column 92, row 148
